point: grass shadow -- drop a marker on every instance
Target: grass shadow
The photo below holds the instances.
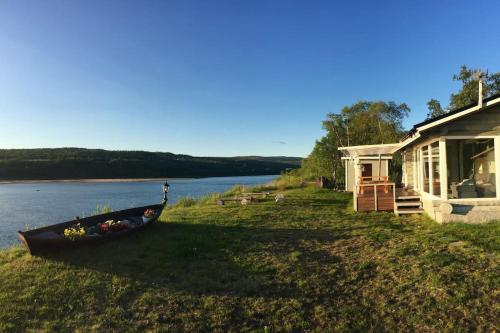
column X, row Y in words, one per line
column 204, row 259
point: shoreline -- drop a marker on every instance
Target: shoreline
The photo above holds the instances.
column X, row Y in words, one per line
column 106, row 180
column 88, row 180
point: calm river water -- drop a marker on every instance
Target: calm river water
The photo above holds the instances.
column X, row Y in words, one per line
column 39, row 204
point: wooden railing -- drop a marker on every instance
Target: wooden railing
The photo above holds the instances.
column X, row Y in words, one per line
column 375, row 196
column 373, row 178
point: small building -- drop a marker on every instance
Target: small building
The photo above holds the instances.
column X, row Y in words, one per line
column 451, row 168
column 367, row 162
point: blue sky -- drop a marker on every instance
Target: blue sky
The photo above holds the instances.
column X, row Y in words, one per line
column 224, row 78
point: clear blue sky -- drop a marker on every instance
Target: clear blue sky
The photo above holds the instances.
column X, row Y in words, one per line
column 224, row 78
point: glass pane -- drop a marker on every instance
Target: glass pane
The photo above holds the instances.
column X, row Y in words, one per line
column 436, row 184
column 471, row 168
column 425, row 170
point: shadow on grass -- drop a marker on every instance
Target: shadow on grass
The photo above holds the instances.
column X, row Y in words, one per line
column 202, row 259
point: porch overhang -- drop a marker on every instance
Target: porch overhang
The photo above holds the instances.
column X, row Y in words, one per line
column 370, row 150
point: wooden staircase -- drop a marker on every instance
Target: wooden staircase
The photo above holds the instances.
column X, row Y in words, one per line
column 408, row 203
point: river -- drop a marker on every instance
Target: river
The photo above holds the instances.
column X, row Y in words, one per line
column 30, row 205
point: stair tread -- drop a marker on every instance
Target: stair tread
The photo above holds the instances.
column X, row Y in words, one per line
column 409, row 210
column 408, row 203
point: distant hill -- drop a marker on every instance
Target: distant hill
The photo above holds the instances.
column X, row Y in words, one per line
column 80, row 163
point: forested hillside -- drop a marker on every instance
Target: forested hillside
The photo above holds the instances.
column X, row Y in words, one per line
column 79, row 163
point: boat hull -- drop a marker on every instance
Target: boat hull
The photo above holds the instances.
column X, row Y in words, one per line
column 36, row 244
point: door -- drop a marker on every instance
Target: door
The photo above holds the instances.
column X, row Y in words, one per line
column 366, row 171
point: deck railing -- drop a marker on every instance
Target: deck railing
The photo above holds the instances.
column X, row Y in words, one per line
column 374, row 195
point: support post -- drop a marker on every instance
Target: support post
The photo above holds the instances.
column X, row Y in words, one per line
column 375, row 194
column 415, row 170
column 497, row 164
column 443, row 169
column 394, row 198
column 355, row 194
column 431, row 170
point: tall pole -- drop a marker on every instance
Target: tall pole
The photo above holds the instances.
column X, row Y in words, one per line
column 480, row 98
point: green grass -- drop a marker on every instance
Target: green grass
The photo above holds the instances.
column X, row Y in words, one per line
column 307, row 264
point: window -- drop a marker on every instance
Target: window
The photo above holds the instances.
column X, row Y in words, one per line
column 471, row 168
column 425, row 169
column 436, row 184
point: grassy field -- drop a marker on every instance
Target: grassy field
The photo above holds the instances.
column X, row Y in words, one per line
column 308, row 264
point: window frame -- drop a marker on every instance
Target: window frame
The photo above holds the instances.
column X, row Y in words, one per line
column 443, row 172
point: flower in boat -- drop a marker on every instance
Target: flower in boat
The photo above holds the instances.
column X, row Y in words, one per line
column 149, row 213
column 74, row 232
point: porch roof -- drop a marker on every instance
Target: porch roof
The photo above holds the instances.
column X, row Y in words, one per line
column 371, row 150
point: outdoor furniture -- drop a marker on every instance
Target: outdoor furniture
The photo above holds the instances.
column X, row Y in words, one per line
column 485, row 184
column 465, row 189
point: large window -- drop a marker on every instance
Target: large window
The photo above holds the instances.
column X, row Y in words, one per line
column 471, row 168
column 436, row 184
column 425, row 168
column 430, row 169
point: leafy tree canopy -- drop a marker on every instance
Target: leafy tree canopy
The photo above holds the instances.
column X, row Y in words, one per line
column 469, row 93
column 365, row 122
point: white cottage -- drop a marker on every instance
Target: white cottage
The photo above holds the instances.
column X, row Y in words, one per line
column 451, row 168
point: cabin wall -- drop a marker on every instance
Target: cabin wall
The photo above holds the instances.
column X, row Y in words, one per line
column 350, row 177
column 350, row 180
column 408, row 168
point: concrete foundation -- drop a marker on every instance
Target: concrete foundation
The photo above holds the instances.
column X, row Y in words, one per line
column 466, row 211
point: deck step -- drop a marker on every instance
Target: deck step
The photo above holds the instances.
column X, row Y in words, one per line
column 408, row 197
column 408, row 203
column 400, row 211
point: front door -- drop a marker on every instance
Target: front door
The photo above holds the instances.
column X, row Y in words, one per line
column 366, row 170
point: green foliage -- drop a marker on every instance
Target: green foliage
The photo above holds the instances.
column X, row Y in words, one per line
column 468, row 93
column 77, row 163
column 102, row 209
column 359, row 124
column 310, row 264
column 288, row 180
column 435, row 109
column 186, row 202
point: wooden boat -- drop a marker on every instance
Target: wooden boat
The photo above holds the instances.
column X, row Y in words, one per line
column 51, row 238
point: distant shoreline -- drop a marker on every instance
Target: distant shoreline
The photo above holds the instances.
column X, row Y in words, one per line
column 97, row 180
column 107, row 180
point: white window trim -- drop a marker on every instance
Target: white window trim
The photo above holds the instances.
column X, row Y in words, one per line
column 496, row 146
column 420, row 168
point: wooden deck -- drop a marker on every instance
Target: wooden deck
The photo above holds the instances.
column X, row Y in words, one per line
column 381, row 196
column 375, row 196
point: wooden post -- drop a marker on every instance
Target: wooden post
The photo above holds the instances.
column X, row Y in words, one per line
column 394, row 197
column 415, row 170
column 375, row 194
column 420, row 170
column 431, row 170
column 443, row 169
column 496, row 143
column 355, row 197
